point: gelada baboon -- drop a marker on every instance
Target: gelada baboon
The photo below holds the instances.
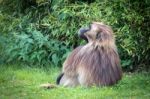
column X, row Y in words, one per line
column 96, row 63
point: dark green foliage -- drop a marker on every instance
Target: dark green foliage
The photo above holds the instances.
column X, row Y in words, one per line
column 57, row 22
column 33, row 47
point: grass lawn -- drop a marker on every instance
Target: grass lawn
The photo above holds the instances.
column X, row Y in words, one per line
column 22, row 82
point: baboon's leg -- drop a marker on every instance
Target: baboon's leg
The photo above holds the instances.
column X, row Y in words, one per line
column 84, row 77
column 69, row 81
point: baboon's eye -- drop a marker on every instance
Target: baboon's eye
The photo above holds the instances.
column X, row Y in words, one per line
column 98, row 35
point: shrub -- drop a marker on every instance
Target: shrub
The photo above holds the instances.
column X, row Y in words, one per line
column 33, row 47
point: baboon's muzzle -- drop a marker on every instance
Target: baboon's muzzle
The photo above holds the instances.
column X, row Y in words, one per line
column 81, row 33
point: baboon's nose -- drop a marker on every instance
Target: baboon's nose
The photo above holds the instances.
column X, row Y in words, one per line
column 81, row 33
column 83, row 30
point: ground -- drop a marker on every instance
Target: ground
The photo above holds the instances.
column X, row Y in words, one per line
column 22, row 82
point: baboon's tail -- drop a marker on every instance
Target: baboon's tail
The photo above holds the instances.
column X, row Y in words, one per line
column 59, row 78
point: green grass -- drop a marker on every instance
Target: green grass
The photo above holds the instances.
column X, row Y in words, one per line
column 22, row 82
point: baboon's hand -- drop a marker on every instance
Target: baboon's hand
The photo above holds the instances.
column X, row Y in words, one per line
column 48, row 86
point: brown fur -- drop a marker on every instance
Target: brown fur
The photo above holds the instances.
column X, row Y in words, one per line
column 96, row 63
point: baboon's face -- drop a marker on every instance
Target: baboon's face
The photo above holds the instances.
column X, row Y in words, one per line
column 95, row 31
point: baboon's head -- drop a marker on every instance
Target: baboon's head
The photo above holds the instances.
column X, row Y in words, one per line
column 96, row 32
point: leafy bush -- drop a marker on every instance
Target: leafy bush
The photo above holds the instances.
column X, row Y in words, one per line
column 57, row 21
column 34, row 47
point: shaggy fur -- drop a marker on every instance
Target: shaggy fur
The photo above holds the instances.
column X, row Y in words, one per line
column 96, row 63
